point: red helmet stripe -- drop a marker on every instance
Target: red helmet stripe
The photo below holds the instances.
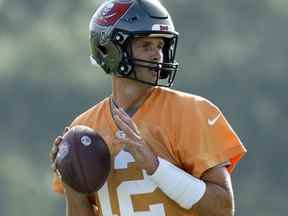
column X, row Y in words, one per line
column 111, row 13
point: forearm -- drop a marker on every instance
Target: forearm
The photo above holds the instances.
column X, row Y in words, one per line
column 210, row 195
column 216, row 201
column 78, row 208
column 78, row 204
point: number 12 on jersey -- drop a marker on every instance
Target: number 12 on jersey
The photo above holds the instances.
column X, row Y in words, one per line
column 126, row 189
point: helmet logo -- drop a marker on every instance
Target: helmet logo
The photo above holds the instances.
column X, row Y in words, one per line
column 111, row 12
column 86, row 140
column 106, row 9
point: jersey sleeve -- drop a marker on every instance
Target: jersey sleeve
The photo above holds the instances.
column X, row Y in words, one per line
column 217, row 142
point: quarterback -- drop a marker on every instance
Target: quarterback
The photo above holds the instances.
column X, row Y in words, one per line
column 172, row 152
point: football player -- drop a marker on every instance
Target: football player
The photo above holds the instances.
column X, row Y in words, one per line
column 172, row 152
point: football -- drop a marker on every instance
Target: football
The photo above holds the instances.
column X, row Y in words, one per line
column 83, row 159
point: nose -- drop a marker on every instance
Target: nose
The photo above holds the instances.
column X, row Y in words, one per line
column 157, row 54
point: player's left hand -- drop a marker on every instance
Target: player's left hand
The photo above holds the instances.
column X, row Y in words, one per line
column 130, row 137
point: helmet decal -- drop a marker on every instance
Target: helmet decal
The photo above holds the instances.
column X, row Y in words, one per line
column 111, row 12
column 161, row 27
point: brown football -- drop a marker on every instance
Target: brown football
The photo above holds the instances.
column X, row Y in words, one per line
column 83, row 159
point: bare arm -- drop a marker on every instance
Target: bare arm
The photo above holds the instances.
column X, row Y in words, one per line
column 77, row 203
column 218, row 199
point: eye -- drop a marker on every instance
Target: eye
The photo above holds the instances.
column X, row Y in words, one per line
column 161, row 45
column 146, row 45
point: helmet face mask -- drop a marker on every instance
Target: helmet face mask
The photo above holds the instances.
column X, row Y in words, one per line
column 113, row 26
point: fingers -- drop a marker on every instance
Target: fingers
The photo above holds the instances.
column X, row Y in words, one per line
column 54, row 151
column 128, row 143
column 126, row 118
column 121, row 135
column 65, row 130
column 55, row 148
column 123, row 126
column 54, row 167
column 128, row 133
column 56, row 142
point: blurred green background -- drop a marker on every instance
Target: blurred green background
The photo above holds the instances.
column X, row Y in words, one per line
column 234, row 52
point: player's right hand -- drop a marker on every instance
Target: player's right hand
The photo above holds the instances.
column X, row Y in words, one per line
column 55, row 148
column 78, row 203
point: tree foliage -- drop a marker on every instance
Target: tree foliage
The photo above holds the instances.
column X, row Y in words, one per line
column 232, row 52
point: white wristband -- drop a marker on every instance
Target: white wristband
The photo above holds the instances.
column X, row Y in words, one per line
column 178, row 185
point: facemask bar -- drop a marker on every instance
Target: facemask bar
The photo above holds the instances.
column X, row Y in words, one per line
column 166, row 70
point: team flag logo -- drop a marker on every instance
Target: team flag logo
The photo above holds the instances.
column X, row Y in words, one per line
column 111, row 12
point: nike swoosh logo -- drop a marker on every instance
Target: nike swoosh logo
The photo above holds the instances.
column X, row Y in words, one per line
column 212, row 121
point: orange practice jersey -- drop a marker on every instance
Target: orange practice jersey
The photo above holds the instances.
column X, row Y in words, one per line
column 187, row 130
